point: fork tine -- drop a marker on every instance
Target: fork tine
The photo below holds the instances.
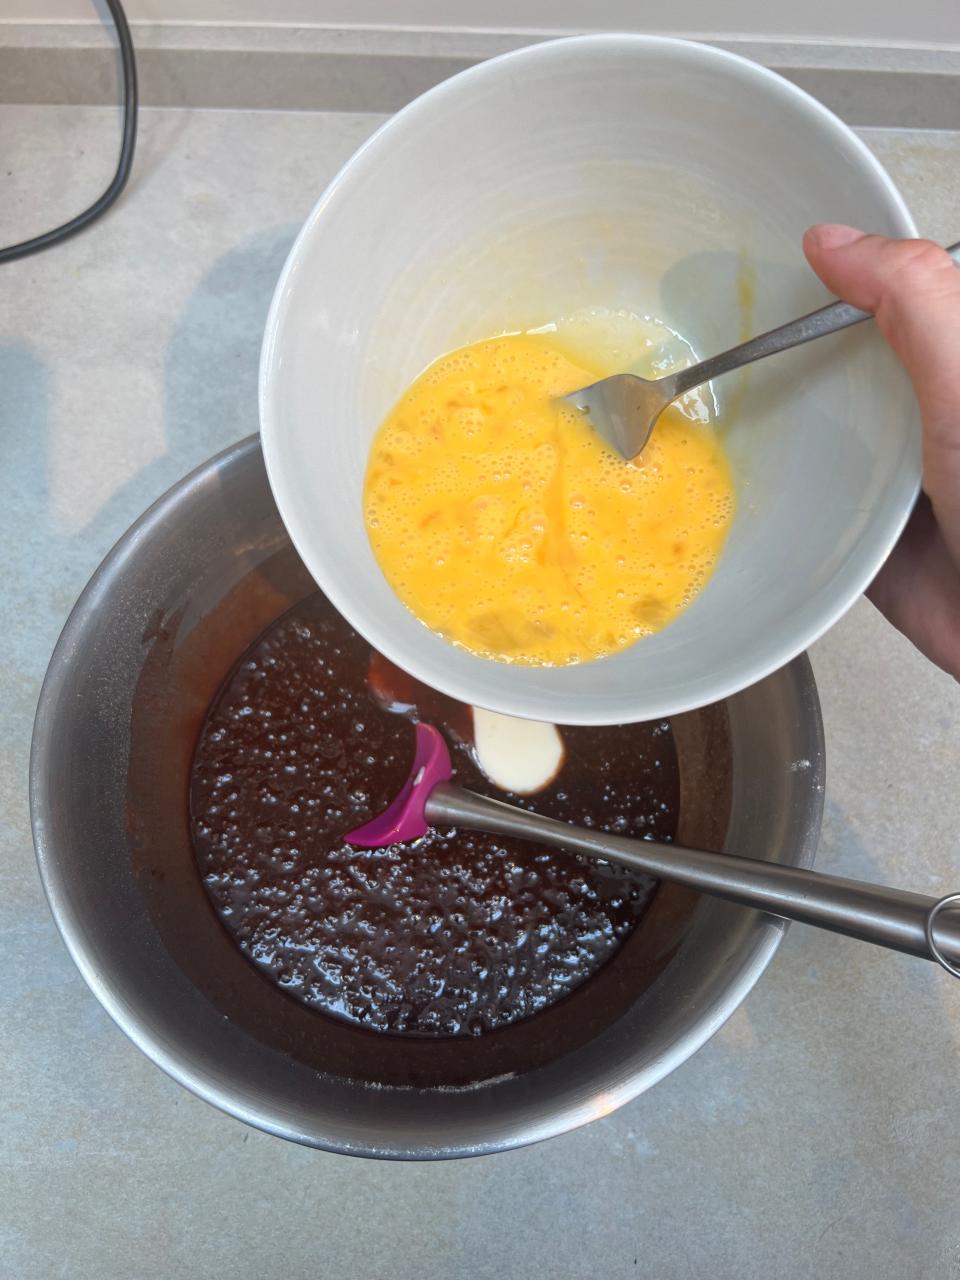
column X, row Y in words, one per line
column 619, row 410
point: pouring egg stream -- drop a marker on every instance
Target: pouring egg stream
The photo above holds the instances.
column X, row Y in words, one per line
column 503, row 522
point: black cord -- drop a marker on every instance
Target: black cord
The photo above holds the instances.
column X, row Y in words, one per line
column 127, row 146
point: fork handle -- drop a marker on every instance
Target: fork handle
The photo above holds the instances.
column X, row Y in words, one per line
column 817, row 324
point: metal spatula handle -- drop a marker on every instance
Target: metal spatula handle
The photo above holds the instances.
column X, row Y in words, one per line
column 910, row 922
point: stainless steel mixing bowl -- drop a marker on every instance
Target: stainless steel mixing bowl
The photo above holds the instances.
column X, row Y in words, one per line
column 179, row 598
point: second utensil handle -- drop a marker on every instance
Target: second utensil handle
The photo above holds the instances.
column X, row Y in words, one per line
column 817, row 324
column 873, row 913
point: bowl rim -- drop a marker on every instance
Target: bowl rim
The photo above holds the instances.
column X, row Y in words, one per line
column 135, row 1021
column 322, row 566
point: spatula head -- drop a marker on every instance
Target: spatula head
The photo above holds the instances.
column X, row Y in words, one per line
column 404, row 818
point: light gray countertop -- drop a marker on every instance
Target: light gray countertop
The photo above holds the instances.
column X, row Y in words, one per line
column 817, row 1134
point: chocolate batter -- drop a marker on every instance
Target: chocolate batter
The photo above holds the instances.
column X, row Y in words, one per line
column 460, row 934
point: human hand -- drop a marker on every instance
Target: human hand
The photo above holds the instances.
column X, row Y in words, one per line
column 913, row 289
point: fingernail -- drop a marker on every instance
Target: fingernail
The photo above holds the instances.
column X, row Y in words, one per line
column 833, row 235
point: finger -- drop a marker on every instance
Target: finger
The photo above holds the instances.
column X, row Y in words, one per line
column 913, row 289
column 918, row 590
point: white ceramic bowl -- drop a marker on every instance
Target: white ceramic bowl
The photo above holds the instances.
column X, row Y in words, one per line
column 620, row 171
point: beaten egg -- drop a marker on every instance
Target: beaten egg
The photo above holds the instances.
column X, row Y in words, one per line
column 503, row 522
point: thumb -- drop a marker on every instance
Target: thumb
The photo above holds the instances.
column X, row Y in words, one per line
column 913, row 289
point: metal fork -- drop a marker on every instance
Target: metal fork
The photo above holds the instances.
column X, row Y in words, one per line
column 624, row 409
